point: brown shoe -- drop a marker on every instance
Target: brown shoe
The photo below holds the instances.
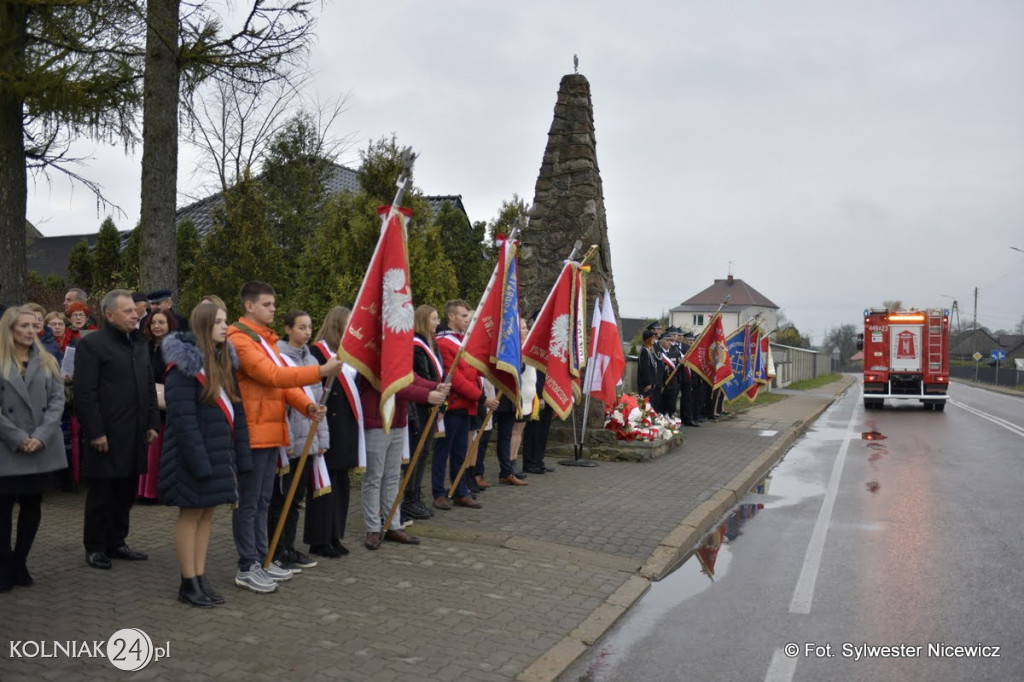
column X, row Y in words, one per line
column 401, row 536
column 482, row 483
column 372, row 541
column 512, row 480
column 467, row 501
column 442, row 503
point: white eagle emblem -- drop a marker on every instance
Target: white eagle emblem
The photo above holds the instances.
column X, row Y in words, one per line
column 718, row 353
column 559, row 343
column 399, row 315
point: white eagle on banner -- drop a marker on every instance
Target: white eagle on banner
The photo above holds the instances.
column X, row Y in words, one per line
column 559, row 343
column 399, row 315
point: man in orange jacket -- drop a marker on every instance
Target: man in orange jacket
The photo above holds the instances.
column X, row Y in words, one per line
column 266, row 384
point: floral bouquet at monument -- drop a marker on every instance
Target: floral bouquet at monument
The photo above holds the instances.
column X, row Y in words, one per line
column 633, row 418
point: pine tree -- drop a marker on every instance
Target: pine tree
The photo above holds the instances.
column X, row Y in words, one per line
column 106, row 272
column 129, row 267
column 190, row 260
column 239, row 247
column 80, row 265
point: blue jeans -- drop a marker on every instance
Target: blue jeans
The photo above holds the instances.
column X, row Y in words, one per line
column 450, row 451
column 249, row 520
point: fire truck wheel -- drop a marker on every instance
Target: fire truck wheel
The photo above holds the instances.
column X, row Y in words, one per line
column 939, row 407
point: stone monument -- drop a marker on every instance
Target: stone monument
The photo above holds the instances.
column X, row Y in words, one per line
column 568, row 203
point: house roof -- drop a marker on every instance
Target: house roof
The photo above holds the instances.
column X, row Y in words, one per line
column 632, row 326
column 49, row 255
column 743, row 296
column 1010, row 341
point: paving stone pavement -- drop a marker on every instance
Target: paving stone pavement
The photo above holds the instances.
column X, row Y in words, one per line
column 515, row 590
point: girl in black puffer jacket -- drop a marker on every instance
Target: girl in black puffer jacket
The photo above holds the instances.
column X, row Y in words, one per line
column 206, row 443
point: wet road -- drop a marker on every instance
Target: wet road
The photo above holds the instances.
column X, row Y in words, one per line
column 887, row 545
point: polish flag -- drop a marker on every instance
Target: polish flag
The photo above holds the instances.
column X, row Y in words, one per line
column 607, row 362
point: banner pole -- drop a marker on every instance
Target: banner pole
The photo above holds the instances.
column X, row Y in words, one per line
column 577, row 452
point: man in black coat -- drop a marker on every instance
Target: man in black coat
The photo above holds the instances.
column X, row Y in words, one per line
column 115, row 400
column 648, row 371
column 161, row 301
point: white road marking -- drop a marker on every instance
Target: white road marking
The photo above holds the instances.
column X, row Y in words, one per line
column 998, row 421
column 804, row 592
column 782, row 667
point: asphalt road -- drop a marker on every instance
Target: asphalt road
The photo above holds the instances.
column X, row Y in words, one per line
column 885, row 547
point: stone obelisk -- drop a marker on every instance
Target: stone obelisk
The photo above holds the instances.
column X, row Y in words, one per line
column 568, row 203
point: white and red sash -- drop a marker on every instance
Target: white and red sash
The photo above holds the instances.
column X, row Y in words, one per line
column 283, row 466
column 321, row 479
column 223, row 402
column 438, row 423
column 347, row 379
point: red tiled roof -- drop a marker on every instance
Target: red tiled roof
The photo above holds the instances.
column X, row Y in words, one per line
column 742, row 295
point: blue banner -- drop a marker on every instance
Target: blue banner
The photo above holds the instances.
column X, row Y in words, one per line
column 507, row 355
column 742, row 377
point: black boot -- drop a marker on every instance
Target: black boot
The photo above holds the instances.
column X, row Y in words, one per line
column 192, row 594
column 204, row 585
column 20, row 574
column 6, row 573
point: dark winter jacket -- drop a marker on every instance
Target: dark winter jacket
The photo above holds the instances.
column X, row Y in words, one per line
column 201, row 455
column 115, row 396
column 342, row 425
column 424, row 367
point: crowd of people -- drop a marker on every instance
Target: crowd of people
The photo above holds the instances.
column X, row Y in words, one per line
column 145, row 405
column 670, row 385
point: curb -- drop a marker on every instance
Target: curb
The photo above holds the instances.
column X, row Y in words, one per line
column 672, row 551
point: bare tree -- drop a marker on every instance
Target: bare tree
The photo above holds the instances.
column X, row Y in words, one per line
column 233, row 128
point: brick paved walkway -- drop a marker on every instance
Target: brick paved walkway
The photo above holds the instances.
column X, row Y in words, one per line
column 511, row 591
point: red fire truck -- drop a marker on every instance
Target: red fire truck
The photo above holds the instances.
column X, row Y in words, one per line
column 906, row 356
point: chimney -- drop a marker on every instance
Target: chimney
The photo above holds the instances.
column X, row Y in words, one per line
column 729, row 281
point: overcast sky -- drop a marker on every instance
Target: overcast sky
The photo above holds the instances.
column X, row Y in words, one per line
column 837, row 154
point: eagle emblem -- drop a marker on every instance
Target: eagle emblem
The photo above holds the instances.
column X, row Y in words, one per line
column 399, row 315
column 559, row 343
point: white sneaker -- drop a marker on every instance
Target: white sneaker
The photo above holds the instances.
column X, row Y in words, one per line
column 255, row 579
column 277, row 572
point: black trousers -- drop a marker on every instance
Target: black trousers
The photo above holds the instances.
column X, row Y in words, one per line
column 291, row 523
column 327, row 515
column 669, row 400
column 29, row 514
column 535, row 439
column 686, row 411
column 107, row 506
column 414, row 491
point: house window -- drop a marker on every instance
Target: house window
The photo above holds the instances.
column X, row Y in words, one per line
column 698, row 320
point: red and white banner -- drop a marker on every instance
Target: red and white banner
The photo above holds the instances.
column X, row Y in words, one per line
column 607, row 361
column 378, row 339
column 709, row 354
column 549, row 343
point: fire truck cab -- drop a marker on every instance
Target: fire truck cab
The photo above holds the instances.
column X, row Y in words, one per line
column 906, row 356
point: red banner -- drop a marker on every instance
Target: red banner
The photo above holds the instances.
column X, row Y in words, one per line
column 378, row 339
column 607, row 361
column 709, row 354
column 549, row 343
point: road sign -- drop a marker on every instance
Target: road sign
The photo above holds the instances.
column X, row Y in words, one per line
column 977, row 355
column 997, row 355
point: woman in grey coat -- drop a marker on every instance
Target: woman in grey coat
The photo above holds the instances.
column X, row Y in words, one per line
column 31, row 442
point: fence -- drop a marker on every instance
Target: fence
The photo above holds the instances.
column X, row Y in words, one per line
column 791, row 364
column 796, row 364
column 1007, row 376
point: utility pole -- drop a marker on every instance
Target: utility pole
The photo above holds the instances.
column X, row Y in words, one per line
column 974, row 325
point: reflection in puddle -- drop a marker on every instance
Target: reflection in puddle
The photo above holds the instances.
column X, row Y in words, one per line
column 710, row 560
column 872, row 435
column 872, row 487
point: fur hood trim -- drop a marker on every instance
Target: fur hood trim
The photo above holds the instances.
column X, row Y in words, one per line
column 180, row 350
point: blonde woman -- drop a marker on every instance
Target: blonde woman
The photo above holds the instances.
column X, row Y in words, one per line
column 31, row 443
